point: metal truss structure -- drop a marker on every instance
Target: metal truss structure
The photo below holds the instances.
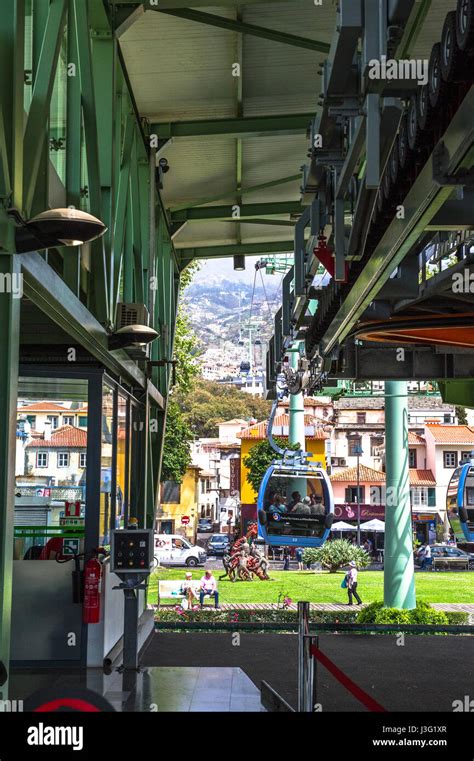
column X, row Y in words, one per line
column 388, row 194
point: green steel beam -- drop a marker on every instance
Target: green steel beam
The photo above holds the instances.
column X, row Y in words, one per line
column 246, row 249
column 71, row 256
column 241, row 27
column 176, row 4
column 9, row 341
column 228, row 211
column 244, row 126
column 245, row 190
column 99, row 288
column 460, row 392
column 38, row 114
column 121, row 207
column 39, row 20
column 12, row 32
column 262, row 221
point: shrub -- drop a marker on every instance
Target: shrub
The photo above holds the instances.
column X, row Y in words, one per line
column 375, row 613
column 336, row 554
column 281, row 615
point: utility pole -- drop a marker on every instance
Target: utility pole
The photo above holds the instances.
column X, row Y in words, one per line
column 399, row 579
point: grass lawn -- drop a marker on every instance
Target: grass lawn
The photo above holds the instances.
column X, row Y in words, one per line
column 442, row 586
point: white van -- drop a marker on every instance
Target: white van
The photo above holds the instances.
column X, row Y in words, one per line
column 173, row 549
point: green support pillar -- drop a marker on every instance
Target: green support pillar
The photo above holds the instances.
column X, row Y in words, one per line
column 399, row 580
column 296, row 433
column 9, row 341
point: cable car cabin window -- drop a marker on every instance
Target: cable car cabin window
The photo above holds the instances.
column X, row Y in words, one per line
column 295, row 505
column 470, row 495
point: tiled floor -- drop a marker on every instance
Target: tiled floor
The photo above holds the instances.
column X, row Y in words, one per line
column 184, row 689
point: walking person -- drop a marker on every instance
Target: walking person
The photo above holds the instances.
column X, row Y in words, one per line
column 352, row 583
column 299, row 558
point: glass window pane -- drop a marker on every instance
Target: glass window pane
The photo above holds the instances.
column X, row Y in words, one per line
column 122, row 481
column 106, row 462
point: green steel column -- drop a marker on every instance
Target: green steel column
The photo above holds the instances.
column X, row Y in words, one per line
column 9, row 341
column 296, row 433
column 399, row 580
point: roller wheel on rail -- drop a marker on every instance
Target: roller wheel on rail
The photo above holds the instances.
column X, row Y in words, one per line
column 379, row 207
column 453, row 68
column 437, row 87
column 394, row 165
column 413, row 125
column 387, row 187
column 424, row 109
column 404, row 152
column 465, row 26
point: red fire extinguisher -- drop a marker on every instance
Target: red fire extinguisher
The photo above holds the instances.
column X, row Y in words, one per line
column 91, row 606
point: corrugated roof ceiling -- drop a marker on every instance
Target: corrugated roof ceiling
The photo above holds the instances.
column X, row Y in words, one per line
column 181, row 70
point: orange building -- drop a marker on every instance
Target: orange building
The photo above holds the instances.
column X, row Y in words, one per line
column 315, row 437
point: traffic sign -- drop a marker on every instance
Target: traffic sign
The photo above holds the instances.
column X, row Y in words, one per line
column 185, row 520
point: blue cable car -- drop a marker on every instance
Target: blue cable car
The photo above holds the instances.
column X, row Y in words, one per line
column 306, row 525
column 303, row 486
column 460, row 502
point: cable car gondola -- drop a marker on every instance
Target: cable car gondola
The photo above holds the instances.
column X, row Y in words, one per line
column 293, row 479
column 460, row 502
column 245, row 367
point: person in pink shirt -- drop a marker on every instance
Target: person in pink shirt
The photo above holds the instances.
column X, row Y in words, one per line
column 208, row 587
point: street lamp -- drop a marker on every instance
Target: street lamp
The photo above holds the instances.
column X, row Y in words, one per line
column 358, row 452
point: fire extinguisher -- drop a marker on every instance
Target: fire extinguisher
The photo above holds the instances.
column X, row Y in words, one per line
column 92, row 578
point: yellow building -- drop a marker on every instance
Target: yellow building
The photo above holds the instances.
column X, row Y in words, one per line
column 178, row 501
column 314, row 443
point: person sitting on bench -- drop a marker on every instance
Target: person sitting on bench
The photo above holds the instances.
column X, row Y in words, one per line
column 208, row 587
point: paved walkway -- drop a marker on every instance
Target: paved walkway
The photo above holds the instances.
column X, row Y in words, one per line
column 326, row 606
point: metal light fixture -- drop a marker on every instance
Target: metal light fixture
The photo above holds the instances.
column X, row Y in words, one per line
column 239, row 263
column 56, row 227
column 132, row 336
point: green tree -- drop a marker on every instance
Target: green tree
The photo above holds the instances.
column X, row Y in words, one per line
column 212, row 403
column 178, row 433
column 461, row 415
column 176, row 450
column 334, row 555
column 259, row 459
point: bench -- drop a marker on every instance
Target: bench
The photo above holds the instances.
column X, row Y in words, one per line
column 171, row 590
column 443, row 562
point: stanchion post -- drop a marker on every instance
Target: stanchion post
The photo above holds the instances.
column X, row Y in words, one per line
column 303, row 652
column 314, row 671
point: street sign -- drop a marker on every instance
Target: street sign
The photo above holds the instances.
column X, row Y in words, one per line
column 185, row 520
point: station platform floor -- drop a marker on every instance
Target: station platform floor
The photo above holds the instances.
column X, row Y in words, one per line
column 156, row 689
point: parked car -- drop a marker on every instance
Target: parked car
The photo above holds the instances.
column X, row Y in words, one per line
column 218, row 544
column 448, row 556
column 173, row 549
column 204, row 525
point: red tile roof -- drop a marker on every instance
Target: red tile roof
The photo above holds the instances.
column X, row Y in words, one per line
column 415, row 438
column 372, row 476
column 66, row 436
column 365, row 474
column 422, row 477
column 259, row 430
column 43, row 407
column 452, row 434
